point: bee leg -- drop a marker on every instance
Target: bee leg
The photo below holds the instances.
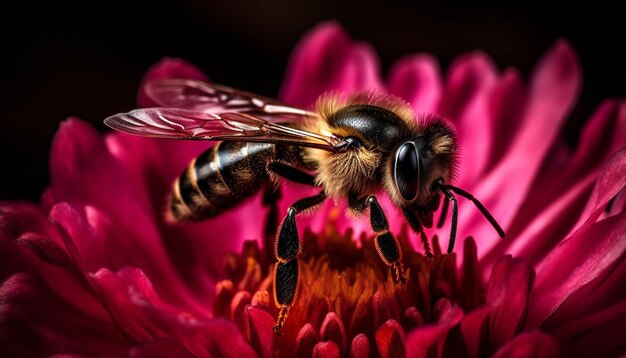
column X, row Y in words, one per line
column 286, row 249
column 271, row 195
column 416, row 225
column 444, row 212
column 481, row 207
column 292, row 174
column 386, row 244
column 455, row 214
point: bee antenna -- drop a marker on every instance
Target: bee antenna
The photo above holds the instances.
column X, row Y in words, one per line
column 480, row 207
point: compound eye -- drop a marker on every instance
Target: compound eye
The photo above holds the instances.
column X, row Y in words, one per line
column 406, row 170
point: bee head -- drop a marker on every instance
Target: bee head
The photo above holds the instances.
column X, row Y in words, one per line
column 418, row 162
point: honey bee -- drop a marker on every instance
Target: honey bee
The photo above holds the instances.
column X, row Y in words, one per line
column 352, row 147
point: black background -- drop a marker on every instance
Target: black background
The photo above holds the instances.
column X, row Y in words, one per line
column 85, row 59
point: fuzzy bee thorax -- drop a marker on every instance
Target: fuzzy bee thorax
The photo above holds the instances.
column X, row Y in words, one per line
column 353, row 171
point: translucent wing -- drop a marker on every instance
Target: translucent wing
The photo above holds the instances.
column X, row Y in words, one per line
column 213, row 98
column 176, row 123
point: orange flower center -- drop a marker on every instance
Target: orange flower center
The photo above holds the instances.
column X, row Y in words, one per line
column 346, row 294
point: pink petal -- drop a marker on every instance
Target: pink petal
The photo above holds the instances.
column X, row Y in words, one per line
column 469, row 84
column 165, row 69
column 84, row 174
column 475, row 328
column 532, row 344
column 160, row 348
column 240, row 302
column 422, row 340
column 143, row 316
column 599, row 334
column 332, row 329
column 258, row 330
column 504, row 109
column 326, row 350
column 390, row 340
column 305, row 341
column 574, row 263
column 121, row 293
column 606, row 290
column 17, row 220
column 562, row 189
column 508, row 291
column 47, row 250
column 587, row 252
column 324, row 60
column 412, row 318
column 472, row 287
column 360, row 346
column 34, row 322
column 418, row 81
column 554, row 87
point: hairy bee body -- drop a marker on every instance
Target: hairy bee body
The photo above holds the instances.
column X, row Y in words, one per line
column 223, row 176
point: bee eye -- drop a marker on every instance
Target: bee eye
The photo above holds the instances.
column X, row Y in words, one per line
column 406, row 171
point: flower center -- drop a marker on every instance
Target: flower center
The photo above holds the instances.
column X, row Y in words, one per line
column 346, row 292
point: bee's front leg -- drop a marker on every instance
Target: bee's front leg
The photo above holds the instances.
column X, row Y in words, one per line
column 286, row 249
column 386, row 243
column 416, row 225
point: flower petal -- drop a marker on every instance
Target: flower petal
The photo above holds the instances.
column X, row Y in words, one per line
column 332, row 329
column 599, row 334
column 165, row 69
column 532, row 344
column 160, row 348
column 587, row 252
column 606, row 290
column 576, row 262
column 553, row 90
column 417, row 79
column 121, row 293
column 258, row 329
column 47, row 250
column 17, row 220
column 324, row 60
column 138, row 310
column 508, row 291
column 505, row 105
column 469, row 84
column 562, row 188
column 34, row 322
column 390, row 340
column 472, row 287
column 305, row 341
column 86, row 175
column 422, row 340
column 326, row 349
column 360, row 346
column 475, row 331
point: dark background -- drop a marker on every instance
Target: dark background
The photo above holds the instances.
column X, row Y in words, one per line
column 85, row 59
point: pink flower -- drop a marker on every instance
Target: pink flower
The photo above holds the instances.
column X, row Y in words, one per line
column 94, row 269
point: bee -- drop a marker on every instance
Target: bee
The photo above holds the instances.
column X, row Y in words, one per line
column 352, row 147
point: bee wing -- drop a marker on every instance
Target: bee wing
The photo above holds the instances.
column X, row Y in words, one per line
column 176, row 123
column 213, row 98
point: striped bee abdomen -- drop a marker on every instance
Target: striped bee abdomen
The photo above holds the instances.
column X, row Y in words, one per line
column 219, row 179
